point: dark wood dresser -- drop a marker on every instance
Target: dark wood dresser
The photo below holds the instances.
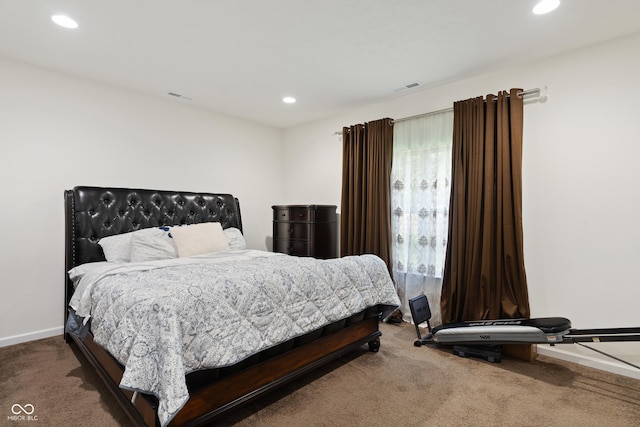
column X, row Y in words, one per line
column 306, row 230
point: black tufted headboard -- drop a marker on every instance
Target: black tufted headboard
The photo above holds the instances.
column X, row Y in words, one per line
column 95, row 212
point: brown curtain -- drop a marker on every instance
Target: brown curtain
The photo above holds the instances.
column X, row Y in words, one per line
column 484, row 275
column 365, row 224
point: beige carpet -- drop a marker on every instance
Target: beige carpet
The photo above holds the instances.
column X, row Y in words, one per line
column 402, row 385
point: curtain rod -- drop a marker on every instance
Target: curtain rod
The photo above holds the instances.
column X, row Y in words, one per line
column 522, row 94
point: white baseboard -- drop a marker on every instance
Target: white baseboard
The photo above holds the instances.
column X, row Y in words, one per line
column 31, row 336
column 592, row 362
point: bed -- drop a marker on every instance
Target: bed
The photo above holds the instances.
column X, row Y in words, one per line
column 344, row 300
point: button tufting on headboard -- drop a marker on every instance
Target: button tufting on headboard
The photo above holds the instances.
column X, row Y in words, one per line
column 96, row 212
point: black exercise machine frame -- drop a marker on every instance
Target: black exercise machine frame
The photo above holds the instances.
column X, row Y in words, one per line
column 482, row 336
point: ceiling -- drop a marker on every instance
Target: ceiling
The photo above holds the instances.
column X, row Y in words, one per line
column 242, row 57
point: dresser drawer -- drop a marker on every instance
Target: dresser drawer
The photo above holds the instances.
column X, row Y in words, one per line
column 280, row 214
column 300, row 214
column 311, row 213
column 293, row 214
column 291, row 247
column 291, row 230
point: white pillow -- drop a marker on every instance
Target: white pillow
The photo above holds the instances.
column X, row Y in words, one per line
column 235, row 238
column 199, row 239
column 116, row 248
column 152, row 245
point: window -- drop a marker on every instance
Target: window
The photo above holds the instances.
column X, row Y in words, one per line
column 420, row 189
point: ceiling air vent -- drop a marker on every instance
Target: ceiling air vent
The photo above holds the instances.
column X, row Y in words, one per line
column 408, row 86
column 177, row 95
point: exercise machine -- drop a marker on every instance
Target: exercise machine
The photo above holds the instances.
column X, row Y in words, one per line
column 483, row 337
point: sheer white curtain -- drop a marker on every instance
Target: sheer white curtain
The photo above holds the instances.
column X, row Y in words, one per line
column 420, row 187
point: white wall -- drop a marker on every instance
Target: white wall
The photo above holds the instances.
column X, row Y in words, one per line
column 580, row 176
column 58, row 131
column 580, row 172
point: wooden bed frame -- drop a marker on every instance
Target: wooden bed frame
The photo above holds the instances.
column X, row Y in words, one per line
column 94, row 212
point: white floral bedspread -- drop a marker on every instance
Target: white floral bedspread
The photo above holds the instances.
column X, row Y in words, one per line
column 162, row 322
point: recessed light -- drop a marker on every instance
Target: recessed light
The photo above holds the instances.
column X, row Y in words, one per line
column 288, row 100
column 546, row 6
column 64, row 21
